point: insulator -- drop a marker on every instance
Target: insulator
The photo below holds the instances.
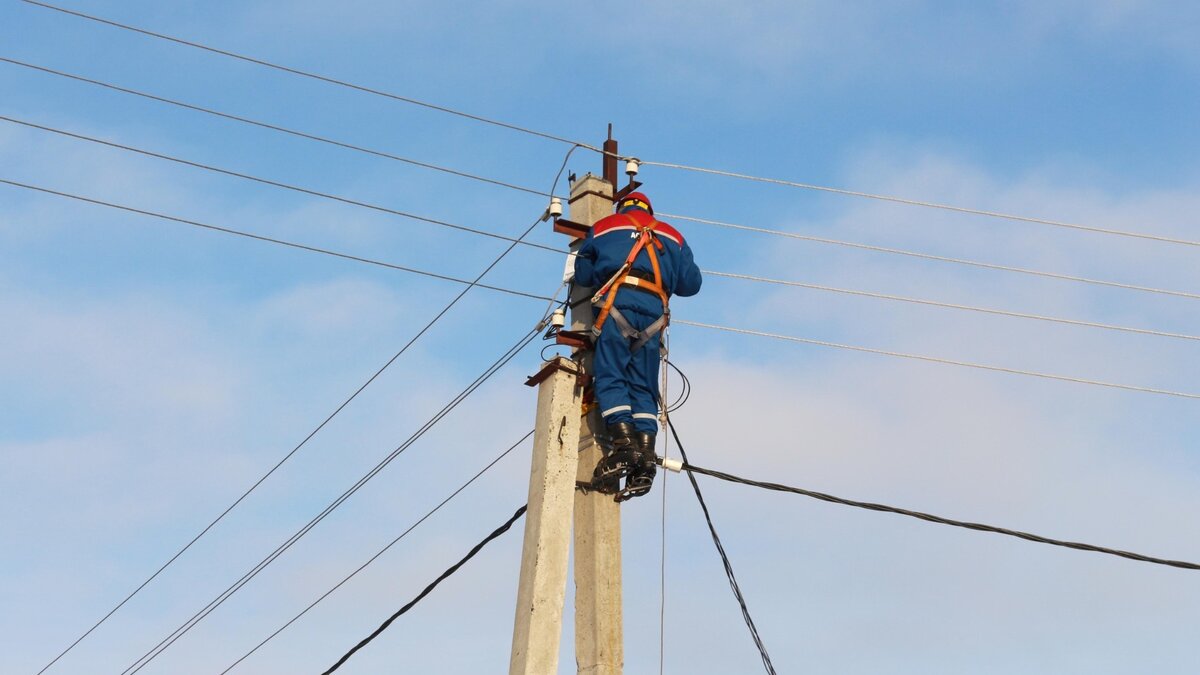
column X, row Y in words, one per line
column 559, row 318
column 632, row 165
column 555, row 209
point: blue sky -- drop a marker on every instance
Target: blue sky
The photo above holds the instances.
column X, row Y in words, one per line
column 152, row 371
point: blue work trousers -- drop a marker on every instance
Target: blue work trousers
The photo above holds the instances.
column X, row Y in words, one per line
column 626, row 382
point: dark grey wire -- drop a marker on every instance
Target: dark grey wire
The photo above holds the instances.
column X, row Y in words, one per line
column 285, row 186
column 294, row 450
column 733, row 584
column 314, row 76
column 428, row 589
column 380, row 553
column 272, row 240
column 940, row 520
column 273, row 127
column 199, row 616
column 163, row 645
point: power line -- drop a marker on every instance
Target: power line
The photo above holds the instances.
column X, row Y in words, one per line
column 679, row 321
column 275, row 127
column 294, row 450
column 935, row 359
column 927, row 204
column 940, row 520
column 179, row 632
column 380, row 553
column 453, row 568
column 285, row 186
column 493, row 235
column 733, row 584
column 560, row 139
column 271, row 240
column 489, row 234
column 313, row 76
column 929, row 256
column 948, row 305
column 216, row 602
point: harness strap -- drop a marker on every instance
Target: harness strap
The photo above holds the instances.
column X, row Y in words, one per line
column 640, row 337
column 646, row 240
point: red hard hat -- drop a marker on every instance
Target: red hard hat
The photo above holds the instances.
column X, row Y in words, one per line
column 639, row 199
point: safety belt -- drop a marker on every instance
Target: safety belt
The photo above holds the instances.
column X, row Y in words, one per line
column 622, row 277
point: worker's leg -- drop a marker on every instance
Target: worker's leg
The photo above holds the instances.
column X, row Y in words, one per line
column 610, row 368
column 610, row 363
column 643, row 387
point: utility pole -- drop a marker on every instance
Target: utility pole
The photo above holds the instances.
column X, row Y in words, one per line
column 565, row 451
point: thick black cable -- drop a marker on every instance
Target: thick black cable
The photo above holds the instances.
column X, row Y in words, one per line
column 940, row 520
column 733, row 584
column 380, row 553
column 271, row 240
column 310, row 75
column 217, row 602
column 285, row 186
column 454, row 568
column 273, row 127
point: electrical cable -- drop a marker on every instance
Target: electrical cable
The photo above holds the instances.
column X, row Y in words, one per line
column 950, row 305
column 711, row 272
column 685, row 391
column 687, row 388
column 939, row 258
column 453, row 568
column 285, row 186
column 932, row 205
column 560, row 139
column 935, row 359
column 216, row 602
column 733, row 584
column 662, row 557
column 272, row 240
column 373, row 558
column 179, row 632
column 288, row 456
column 310, row 75
column 690, row 468
column 274, row 127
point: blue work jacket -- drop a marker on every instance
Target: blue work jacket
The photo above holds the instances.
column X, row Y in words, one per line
column 607, row 246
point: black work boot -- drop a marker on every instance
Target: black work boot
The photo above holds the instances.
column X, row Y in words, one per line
column 641, row 476
column 620, row 457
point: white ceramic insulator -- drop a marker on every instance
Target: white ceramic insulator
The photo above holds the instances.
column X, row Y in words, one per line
column 559, row 318
column 555, row 209
column 675, row 465
column 632, row 166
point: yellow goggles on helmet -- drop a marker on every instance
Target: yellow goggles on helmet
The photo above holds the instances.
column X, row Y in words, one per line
column 635, row 202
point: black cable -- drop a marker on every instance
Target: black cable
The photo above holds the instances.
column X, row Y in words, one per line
column 285, row 186
column 273, row 127
column 733, row 584
column 217, row 602
column 940, row 520
column 685, row 391
column 314, row 76
column 380, row 553
column 454, row 568
column 272, row 240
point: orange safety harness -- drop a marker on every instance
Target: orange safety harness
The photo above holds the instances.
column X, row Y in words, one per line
column 650, row 243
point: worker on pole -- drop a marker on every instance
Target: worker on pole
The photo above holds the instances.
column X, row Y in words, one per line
column 636, row 263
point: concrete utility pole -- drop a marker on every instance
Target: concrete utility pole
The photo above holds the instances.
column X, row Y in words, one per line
column 565, row 451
